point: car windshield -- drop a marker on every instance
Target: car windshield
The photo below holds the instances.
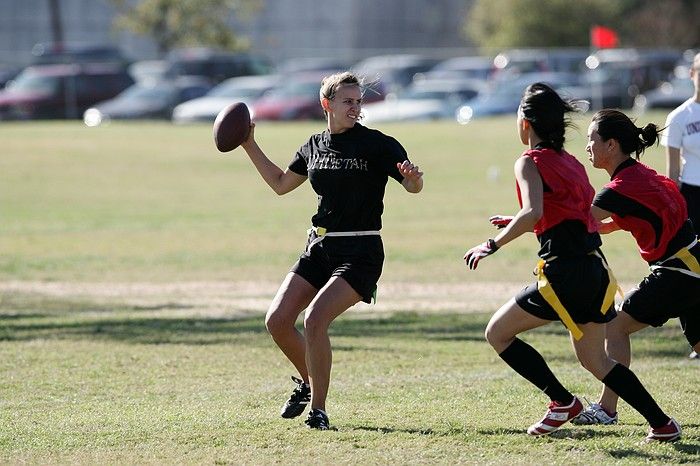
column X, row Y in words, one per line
column 515, row 89
column 236, row 90
column 601, row 75
column 423, row 94
column 35, row 83
column 509, row 90
column 297, row 89
column 148, row 93
column 436, row 94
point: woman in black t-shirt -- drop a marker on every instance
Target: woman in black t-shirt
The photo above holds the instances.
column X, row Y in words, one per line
column 348, row 166
column 651, row 207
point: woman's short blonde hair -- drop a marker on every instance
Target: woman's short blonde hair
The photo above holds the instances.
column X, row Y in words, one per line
column 331, row 84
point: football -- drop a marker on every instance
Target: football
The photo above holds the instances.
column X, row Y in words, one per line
column 231, row 127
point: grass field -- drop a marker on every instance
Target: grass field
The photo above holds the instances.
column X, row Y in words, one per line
column 156, row 202
column 136, row 261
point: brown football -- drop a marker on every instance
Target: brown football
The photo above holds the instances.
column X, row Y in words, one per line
column 231, row 127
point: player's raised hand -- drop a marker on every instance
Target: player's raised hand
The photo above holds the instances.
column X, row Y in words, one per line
column 500, row 221
column 412, row 176
column 408, row 170
column 475, row 254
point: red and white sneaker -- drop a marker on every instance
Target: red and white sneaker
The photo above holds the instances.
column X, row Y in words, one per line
column 668, row 433
column 555, row 417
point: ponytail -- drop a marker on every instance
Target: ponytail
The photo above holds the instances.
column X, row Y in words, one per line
column 613, row 124
column 547, row 113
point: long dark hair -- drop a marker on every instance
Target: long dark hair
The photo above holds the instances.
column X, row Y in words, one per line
column 547, row 113
column 613, row 124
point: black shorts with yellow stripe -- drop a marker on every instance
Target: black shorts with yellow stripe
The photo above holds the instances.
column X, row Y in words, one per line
column 663, row 295
column 580, row 283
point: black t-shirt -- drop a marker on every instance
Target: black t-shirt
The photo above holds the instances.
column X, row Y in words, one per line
column 349, row 171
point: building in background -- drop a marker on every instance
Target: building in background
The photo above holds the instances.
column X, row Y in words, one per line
column 345, row 29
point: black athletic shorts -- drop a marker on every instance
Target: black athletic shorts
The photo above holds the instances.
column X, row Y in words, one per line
column 664, row 294
column 579, row 282
column 358, row 259
column 691, row 193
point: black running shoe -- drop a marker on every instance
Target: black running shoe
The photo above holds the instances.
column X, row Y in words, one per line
column 317, row 419
column 295, row 405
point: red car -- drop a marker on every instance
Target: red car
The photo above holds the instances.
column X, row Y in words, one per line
column 297, row 98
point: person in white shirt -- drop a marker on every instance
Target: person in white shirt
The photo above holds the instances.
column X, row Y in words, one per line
column 682, row 141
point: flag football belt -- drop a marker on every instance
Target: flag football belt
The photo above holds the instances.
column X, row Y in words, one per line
column 547, row 291
column 321, row 233
column 685, row 256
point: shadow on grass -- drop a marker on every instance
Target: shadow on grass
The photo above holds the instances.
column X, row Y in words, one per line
column 653, row 457
column 200, row 331
column 27, row 317
column 416, row 431
column 573, row 433
column 24, row 317
column 203, row 331
column 690, row 449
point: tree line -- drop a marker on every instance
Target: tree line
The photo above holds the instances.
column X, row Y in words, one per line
column 489, row 24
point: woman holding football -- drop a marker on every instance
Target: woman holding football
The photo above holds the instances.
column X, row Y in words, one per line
column 574, row 284
column 348, row 166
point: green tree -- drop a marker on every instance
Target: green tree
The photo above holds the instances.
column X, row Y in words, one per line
column 537, row 23
column 181, row 23
column 672, row 23
column 497, row 24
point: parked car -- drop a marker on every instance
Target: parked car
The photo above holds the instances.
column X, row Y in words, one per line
column 246, row 89
column 517, row 61
column 616, row 77
column 471, row 67
column 295, row 98
column 61, row 91
column 685, row 62
column 302, row 65
column 505, row 96
column 148, row 70
column 393, row 71
column 48, row 53
column 431, row 99
column 667, row 95
column 7, row 74
column 147, row 100
column 214, row 64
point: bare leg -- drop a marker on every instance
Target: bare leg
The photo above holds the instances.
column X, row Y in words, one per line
column 331, row 301
column 501, row 332
column 590, row 350
column 618, row 333
column 293, row 296
column 509, row 321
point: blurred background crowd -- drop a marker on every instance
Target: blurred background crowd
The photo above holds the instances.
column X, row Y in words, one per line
column 184, row 60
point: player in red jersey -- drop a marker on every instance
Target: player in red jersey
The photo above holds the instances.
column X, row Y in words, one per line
column 574, row 284
column 651, row 207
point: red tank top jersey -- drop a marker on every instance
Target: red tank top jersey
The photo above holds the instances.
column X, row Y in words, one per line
column 661, row 196
column 567, row 192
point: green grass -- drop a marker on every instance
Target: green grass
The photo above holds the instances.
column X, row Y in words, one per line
column 156, row 202
column 93, row 383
